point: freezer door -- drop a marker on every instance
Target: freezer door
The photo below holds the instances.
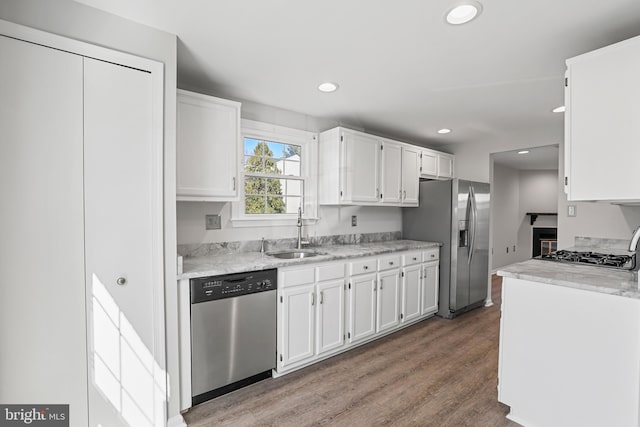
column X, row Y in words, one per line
column 479, row 265
column 459, row 287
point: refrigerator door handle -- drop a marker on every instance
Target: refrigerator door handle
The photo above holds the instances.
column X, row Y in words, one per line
column 467, row 232
column 473, row 222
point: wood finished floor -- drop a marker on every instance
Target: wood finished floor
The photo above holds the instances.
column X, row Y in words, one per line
column 435, row 373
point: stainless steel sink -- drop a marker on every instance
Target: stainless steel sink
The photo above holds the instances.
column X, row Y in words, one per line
column 294, row 254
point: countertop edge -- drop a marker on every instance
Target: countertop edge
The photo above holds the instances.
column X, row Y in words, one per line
column 258, row 261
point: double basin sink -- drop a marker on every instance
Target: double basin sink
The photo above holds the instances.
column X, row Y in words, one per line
column 295, row 253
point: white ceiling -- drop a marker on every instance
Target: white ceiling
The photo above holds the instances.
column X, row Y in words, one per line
column 538, row 158
column 403, row 72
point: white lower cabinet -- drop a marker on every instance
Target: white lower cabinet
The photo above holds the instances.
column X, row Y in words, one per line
column 388, row 310
column 429, row 285
column 362, row 307
column 330, row 315
column 327, row 308
column 411, row 307
column 298, row 324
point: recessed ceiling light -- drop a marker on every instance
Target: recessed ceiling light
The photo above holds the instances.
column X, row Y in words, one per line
column 444, row 131
column 328, row 87
column 523, row 152
column 463, row 12
column 560, row 109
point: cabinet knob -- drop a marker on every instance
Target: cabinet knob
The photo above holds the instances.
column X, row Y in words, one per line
column 365, row 267
column 390, row 262
column 121, row 281
column 415, row 259
column 433, row 255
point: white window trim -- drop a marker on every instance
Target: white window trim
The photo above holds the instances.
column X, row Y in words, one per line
column 308, row 141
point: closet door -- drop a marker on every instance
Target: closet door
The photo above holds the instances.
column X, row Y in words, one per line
column 42, row 303
column 126, row 383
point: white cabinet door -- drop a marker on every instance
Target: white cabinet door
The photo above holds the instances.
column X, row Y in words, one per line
column 330, row 309
column 430, row 284
column 391, row 172
column 388, row 309
column 298, row 328
column 428, row 164
column 411, row 303
column 42, row 304
column 362, row 307
column 360, row 163
column 410, row 175
column 123, row 245
column 208, row 147
column 445, row 166
column 601, row 124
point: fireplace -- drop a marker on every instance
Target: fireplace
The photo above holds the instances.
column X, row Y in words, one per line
column 544, row 241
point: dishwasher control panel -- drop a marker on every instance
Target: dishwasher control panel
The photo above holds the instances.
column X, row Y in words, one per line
column 232, row 285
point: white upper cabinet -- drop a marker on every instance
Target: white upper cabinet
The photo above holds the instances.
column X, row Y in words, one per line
column 435, row 165
column 208, row 148
column 391, row 172
column 602, row 124
column 361, row 154
column 360, row 169
column 410, row 175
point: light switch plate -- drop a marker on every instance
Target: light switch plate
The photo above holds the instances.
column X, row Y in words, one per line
column 213, row 222
column 571, row 210
column 354, row 220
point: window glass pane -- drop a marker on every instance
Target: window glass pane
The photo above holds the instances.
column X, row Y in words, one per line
column 254, row 205
column 250, row 145
column 254, row 186
column 274, row 187
column 291, row 167
column 272, row 166
column 292, row 204
column 253, row 164
column 292, row 187
column 275, row 205
column 292, row 151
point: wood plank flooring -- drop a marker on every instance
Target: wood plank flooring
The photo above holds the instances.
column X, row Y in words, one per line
column 435, row 373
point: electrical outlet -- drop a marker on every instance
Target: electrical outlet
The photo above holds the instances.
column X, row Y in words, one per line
column 571, row 210
column 212, row 222
column 354, row 220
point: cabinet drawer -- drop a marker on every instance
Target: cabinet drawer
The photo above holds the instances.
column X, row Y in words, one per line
column 431, row 254
column 411, row 258
column 330, row 272
column 387, row 262
column 362, row 266
column 297, row 277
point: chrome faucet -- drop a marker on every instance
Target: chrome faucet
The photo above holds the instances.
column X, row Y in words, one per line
column 299, row 225
column 633, row 247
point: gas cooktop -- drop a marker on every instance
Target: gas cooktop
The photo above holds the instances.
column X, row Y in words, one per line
column 622, row 262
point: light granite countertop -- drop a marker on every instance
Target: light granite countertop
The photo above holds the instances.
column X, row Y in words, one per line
column 214, row 265
column 596, row 279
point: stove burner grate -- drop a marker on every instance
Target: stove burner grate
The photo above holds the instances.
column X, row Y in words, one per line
column 623, row 262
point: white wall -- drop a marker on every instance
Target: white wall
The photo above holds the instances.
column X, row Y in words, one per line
column 77, row 21
column 593, row 219
column 505, row 210
column 332, row 220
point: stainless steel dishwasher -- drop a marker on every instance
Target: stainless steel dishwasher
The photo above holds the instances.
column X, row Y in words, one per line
column 233, row 332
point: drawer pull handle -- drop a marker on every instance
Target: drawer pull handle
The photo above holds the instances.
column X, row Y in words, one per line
column 390, row 262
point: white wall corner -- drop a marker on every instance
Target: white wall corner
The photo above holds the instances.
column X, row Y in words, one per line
column 176, row 421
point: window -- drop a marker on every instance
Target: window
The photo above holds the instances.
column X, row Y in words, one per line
column 272, row 177
column 279, row 169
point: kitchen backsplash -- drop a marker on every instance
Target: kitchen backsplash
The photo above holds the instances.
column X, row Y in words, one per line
column 206, row 249
column 597, row 243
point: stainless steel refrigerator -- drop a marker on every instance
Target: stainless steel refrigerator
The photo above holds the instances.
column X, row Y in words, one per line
column 455, row 213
